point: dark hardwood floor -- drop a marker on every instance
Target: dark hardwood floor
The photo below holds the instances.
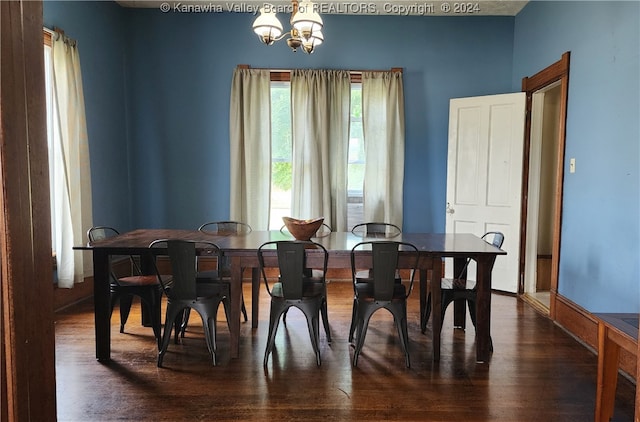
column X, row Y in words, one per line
column 537, row 372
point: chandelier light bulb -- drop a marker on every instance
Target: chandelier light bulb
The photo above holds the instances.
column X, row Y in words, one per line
column 267, row 26
column 307, row 21
column 309, row 45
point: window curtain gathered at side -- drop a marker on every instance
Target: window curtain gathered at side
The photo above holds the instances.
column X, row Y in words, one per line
column 383, row 127
column 72, row 209
column 250, row 145
column 320, row 104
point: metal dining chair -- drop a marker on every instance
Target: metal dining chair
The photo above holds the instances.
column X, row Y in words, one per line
column 223, row 266
column 294, row 289
column 460, row 287
column 225, row 228
column 369, row 230
column 122, row 289
column 383, row 292
column 184, row 292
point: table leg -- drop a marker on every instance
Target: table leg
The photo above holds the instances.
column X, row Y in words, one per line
column 102, row 305
column 436, row 306
column 147, row 267
column 459, row 306
column 423, row 299
column 255, row 296
column 236, row 306
column 608, row 352
column 483, row 308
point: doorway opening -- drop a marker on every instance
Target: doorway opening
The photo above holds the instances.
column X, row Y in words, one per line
column 545, row 123
column 545, row 118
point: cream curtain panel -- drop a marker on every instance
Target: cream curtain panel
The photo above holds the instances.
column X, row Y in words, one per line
column 71, row 202
column 383, row 126
column 250, row 145
column 320, row 104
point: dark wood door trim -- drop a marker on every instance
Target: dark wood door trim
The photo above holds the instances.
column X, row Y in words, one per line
column 26, row 303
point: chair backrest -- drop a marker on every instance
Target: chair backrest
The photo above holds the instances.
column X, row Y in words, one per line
column 384, row 265
column 373, row 229
column 225, row 227
column 182, row 256
column 104, row 232
column 292, row 263
column 101, row 232
column 497, row 239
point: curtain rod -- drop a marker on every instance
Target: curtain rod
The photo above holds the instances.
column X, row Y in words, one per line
column 246, row 66
column 58, row 32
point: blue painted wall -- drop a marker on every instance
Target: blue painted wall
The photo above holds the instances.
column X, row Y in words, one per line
column 600, row 256
column 157, row 87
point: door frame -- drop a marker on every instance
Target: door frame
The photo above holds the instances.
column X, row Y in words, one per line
column 556, row 72
column 27, row 334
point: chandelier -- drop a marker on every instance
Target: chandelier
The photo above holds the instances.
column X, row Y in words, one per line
column 306, row 26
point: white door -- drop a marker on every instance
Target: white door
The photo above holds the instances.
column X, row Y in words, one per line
column 484, row 176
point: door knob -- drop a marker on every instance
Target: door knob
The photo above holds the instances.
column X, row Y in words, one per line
column 449, row 209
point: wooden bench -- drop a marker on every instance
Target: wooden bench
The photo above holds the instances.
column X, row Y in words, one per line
column 615, row 331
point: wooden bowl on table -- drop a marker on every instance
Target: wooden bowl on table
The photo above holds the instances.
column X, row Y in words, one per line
column 303, row 229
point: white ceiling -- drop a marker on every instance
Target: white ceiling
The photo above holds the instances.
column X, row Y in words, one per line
column 366, row 7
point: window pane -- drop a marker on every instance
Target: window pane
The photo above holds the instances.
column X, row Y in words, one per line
column 48, row 83
column 355, row 168
column 281, row 153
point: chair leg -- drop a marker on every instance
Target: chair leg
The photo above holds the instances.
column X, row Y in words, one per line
column 446, row 301
column 153, row 302
column 354, row 315
column 459, row 313
column 472, row 311
column 177, row 324
column 244, row 310
column 400, row 318
column 361, row 332
column 125, row 307
column 114, row 298
column 226, row 304
column 274, row 321
column 210, row 336
column 325, row 320
column 172, row 313
column 314, row 329
column 426, row 315
column 184, row 322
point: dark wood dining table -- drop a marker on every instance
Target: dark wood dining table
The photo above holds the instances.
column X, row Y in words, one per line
column 242, row 251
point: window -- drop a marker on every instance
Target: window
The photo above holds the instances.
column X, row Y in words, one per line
column 48, row 80
column 281, row 165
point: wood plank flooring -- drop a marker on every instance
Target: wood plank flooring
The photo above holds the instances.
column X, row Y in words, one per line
column 537, row 371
